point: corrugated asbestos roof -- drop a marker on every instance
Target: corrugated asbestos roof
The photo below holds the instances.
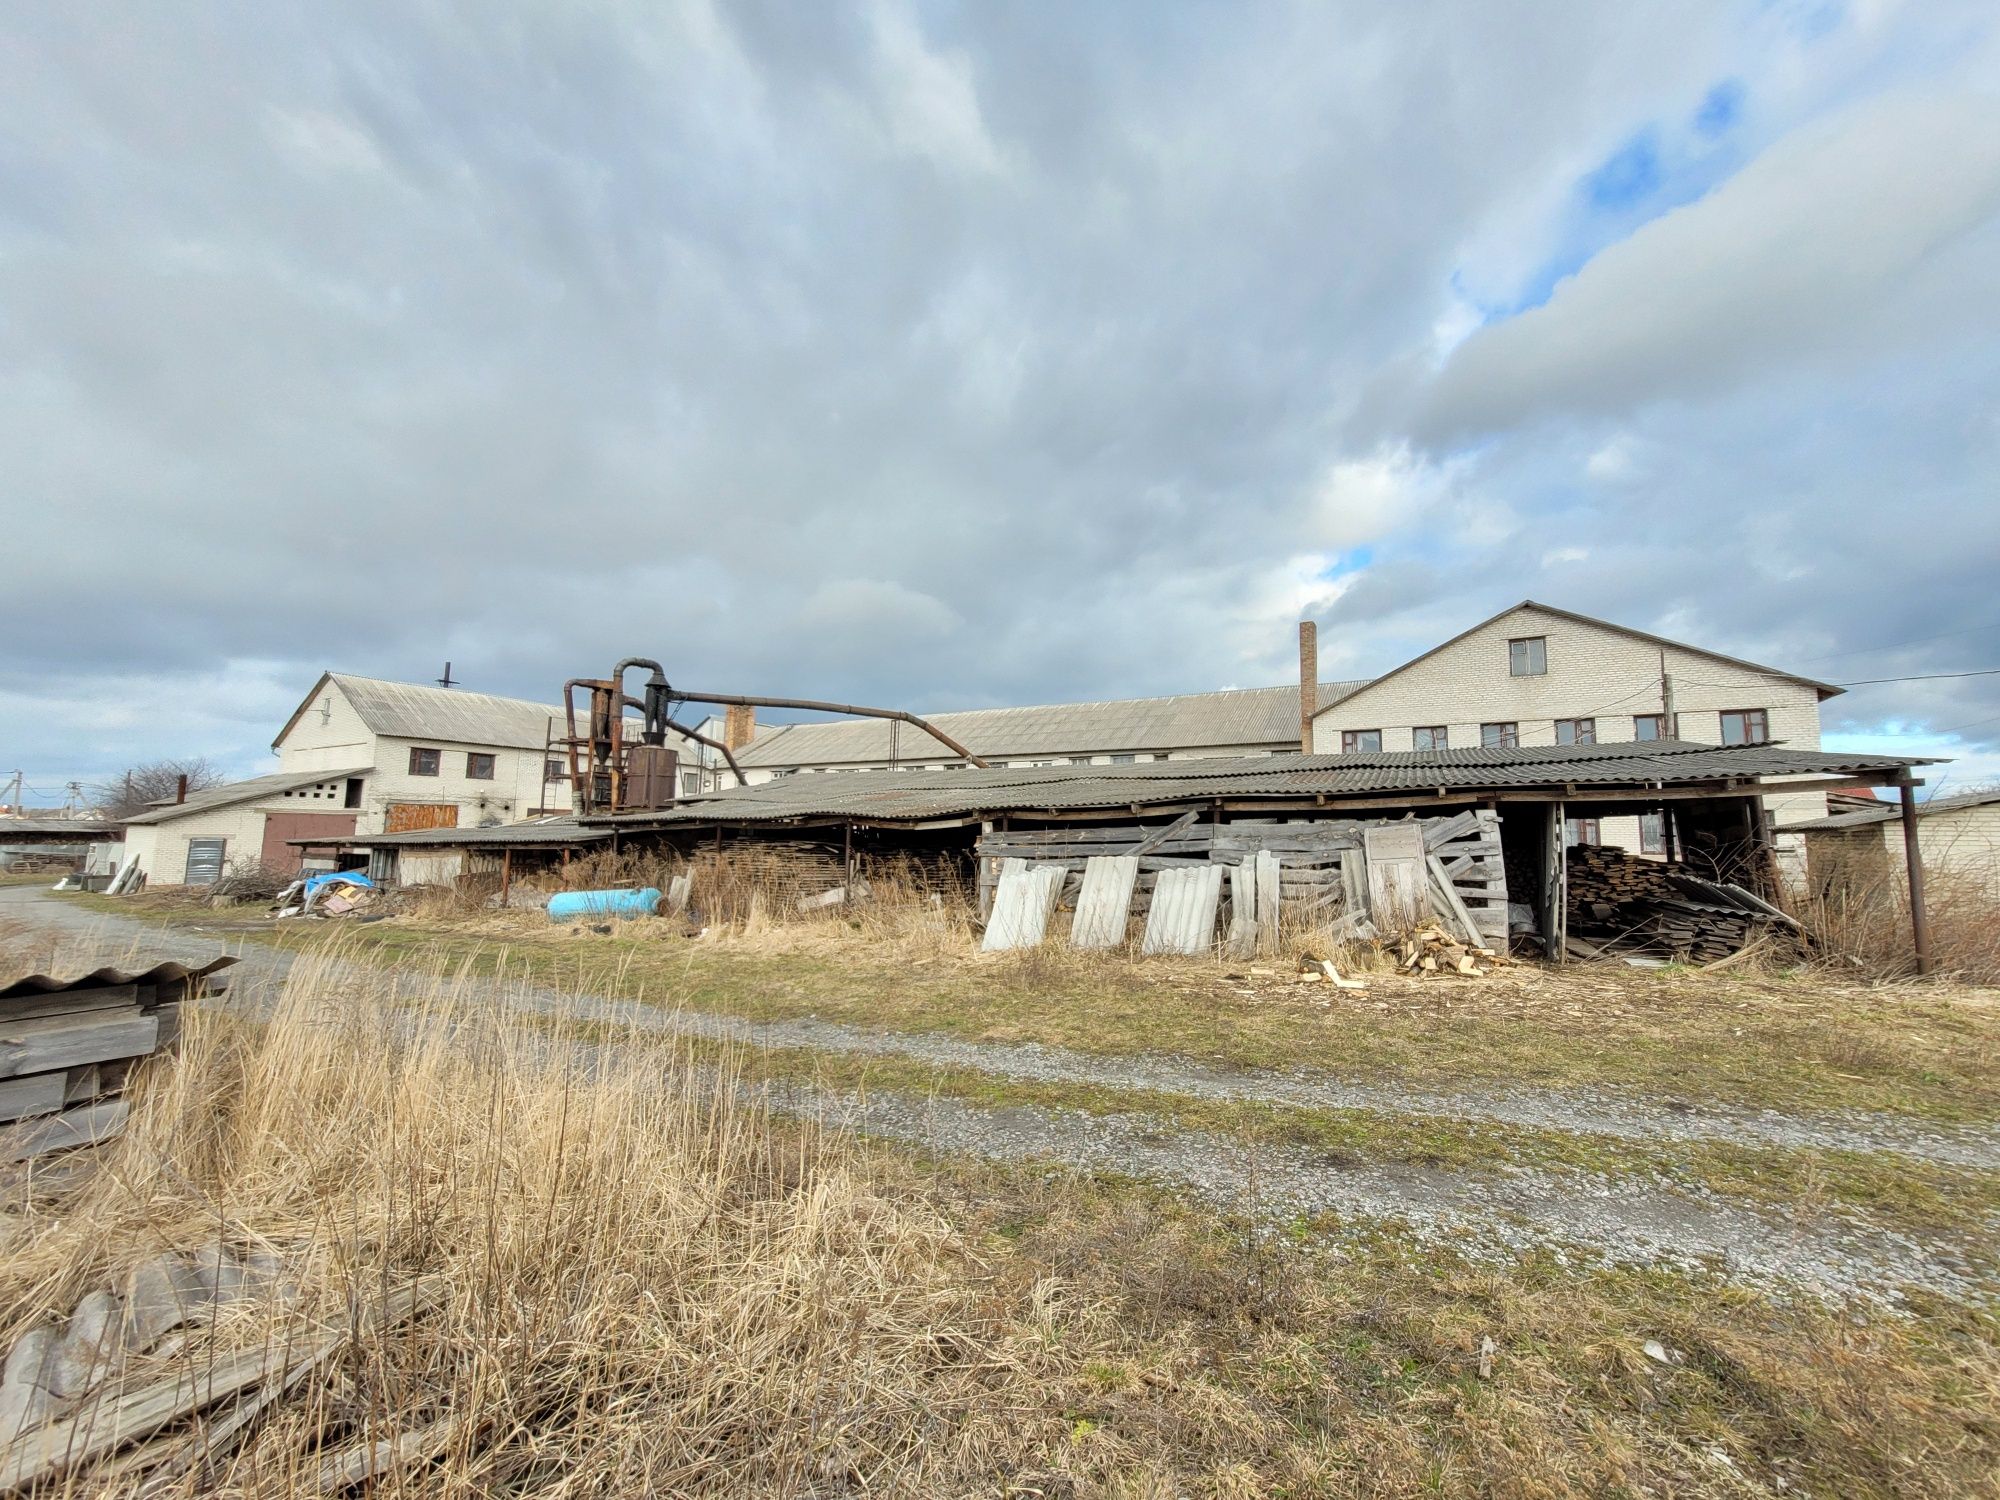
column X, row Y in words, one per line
column 547, row 833
column 918, row 795
column 166, row 973
column 274, row 785
column 1862, row 817
column 85, row 830
column 413, row 711
column 1240, row 716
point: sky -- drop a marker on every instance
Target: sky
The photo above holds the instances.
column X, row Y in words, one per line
column 945, row 356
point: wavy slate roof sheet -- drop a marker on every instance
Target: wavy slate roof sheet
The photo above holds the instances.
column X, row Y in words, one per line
column 1185, row 721
column 413, row 711
column 1862, row 817
column 234, row 792
column 165, row 973
column 918, row 795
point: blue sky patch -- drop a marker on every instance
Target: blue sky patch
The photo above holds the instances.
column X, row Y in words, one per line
column 1721, row 109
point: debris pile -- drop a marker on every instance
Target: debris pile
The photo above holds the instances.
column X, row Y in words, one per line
column 1619, row 902
column 337, row 893
column 1431, row 950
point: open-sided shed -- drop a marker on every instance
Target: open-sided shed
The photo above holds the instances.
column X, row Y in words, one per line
column 1709, row 798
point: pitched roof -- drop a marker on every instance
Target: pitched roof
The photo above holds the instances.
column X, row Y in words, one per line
column 1239, row 716
column 1824, row 689
column 235, row 792
column 1863, row 817
column 915, row 796
column 417, row 711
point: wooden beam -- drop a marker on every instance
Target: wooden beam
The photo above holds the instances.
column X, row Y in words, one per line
column 1913, row 861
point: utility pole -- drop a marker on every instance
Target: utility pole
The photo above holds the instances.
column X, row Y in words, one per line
column 1672, row 725
column 14, row 801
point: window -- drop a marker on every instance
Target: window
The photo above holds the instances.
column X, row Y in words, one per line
column 1581, row 831
column 478, row 766
column 690, row 783
column 555, row 769
column 1122, row 760
column 1079, row 760
column 1745, row 726
column 424, row 762
column 1576, row 731
column 1360, row 741
column 1528, row 657
column 1499, row 735
column 353, row 792
column 1431, row 737
column 1653, row 833
column 1649, row 726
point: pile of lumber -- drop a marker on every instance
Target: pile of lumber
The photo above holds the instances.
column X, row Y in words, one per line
column 67, row 1047
column 1619, row 902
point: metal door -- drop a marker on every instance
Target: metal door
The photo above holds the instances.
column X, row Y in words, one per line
column 204, row 866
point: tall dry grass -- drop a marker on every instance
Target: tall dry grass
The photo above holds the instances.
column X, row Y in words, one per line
column 650, row 1286
column 1857, row 909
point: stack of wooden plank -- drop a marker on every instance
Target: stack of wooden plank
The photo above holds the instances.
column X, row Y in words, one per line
column 1627, row 904
column 67, row 1047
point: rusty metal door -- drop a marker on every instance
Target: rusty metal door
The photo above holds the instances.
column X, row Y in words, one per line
column 404, row 817
column 280, row 827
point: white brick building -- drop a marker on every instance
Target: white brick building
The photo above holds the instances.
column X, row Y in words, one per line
column 1537, row 675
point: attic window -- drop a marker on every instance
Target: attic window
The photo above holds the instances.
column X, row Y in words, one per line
column 1745, row 726
column 1528, row 657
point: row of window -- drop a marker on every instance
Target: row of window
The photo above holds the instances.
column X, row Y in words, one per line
column 1740, row 726
column 426, row 762
column 1652, row 832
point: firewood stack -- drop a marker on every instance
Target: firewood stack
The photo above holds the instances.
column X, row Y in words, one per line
column 1625, row 904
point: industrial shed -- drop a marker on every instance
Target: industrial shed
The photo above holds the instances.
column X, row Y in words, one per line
column 1305, row 808
column 439, row 856
column 191, row 842
column 1862, row 848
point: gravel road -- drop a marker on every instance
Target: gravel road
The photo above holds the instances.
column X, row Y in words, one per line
column 1634, row 1219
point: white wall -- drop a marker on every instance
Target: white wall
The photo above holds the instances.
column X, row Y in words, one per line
column 1593, row 672
column 162, row 847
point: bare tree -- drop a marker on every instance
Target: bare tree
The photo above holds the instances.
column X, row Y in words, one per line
column 158, row 781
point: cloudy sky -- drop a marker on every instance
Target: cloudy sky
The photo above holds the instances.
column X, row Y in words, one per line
column 948, row 355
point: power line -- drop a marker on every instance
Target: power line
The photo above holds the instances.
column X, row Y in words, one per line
column 1921, row 677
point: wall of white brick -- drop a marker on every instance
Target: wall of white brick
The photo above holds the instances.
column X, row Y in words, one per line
column 162, row 848
column 756, row 775
column 1593, row 672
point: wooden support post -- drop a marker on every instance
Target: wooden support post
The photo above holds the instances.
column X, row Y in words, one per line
column 1913, row 861
column 506, row 874
column 846, row 863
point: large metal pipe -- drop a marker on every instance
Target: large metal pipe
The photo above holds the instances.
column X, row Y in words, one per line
column 814, row 705
column 700, row 739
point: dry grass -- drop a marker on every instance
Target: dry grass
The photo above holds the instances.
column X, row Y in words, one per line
column 1858, row 911
column 653, row 1288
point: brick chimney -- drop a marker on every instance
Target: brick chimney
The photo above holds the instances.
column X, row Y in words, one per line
column 1308, row 683
column 739, row 725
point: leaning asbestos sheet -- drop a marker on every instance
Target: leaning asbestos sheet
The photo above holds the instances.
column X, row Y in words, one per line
column 1182, row 918
column 1105, row 903
column 1021, row 906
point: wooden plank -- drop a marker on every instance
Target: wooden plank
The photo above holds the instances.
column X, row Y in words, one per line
column 1104, row 903
column 1396, row 875
column 67, row 1002
column 1447, row 899
column 1243, row 909
column 1269, row 885
column 76, row 1127
column 48, row 1043
column 1159, row 836
column 39, row 1095
column 1439, row 831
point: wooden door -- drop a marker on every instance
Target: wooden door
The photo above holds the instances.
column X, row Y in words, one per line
column 281, row 827
column 403, row 817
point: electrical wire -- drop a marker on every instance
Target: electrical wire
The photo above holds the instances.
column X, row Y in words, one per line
column 1922, row 677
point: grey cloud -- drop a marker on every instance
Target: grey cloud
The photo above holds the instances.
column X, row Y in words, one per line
column 536, row 338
